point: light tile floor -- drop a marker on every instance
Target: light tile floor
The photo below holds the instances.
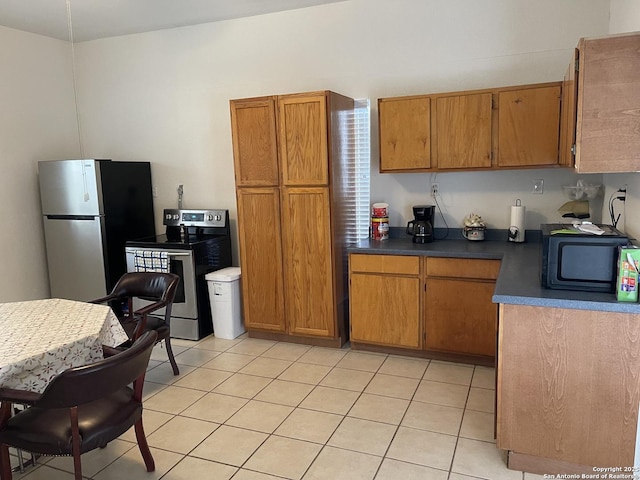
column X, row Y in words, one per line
column 249, row 409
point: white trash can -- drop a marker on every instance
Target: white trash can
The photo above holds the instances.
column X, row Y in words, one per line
column 224, row 294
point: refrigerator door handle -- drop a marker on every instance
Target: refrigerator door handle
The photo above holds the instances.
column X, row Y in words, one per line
column 72, row 217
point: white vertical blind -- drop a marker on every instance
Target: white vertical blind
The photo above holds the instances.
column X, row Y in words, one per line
column 357, row 181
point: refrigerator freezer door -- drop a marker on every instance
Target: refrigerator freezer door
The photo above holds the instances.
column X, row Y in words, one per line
column 70, row 187
column 76, row 258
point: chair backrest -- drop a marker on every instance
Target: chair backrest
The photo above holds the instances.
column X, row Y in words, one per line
column 148, row 285
column 84, row 384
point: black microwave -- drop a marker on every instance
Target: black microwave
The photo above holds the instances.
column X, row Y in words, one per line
column 579, row 261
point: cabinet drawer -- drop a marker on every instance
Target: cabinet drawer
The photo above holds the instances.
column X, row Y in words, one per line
column 400, row 264
column 462, row 268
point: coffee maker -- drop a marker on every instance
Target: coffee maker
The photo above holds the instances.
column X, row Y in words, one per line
column 421, row 227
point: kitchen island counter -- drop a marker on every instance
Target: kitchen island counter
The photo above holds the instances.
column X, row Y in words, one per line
column 518, row 282
column 567, row 383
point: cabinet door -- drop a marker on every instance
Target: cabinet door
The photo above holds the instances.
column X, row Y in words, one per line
column 608, row 105
column 385, row 310
column 460, row 316
column 568, row 114
column 306, row 228
column 303, row 140
column 528, row 127
column 261, row 258
column 463, row 131
column 255, row 152
column 405, row 134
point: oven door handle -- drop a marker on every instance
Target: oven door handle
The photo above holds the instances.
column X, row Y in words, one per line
column 171, row 254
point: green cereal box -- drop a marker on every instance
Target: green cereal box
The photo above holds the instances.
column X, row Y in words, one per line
column 628, row 264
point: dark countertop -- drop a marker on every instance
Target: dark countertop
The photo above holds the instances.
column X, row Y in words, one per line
column 519, row 278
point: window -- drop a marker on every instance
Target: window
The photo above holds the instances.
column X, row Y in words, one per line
column 357, row 173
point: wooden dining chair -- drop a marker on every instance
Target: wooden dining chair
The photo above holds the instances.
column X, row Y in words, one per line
column 82, row 408
column 158, row 288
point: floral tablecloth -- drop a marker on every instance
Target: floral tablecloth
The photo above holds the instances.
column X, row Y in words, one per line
column 41, row 338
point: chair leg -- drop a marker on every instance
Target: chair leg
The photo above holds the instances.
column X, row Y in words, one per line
column 172, row 360
column 75, row 443
column 144, row 446
column 20, row 460
column 5, row 463
column 77, row 466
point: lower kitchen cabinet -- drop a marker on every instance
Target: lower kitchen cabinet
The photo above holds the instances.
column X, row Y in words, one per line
column 432, row 307
column 385, row 300
column 459, row 314
column 568, row 390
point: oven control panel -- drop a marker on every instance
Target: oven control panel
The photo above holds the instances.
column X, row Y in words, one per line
column 195, row 218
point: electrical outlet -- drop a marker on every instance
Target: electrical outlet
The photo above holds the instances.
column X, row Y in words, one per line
column 435, row 189
column 538, row 187
column 155, row 191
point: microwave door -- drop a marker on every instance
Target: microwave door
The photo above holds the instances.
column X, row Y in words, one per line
column 585, row 263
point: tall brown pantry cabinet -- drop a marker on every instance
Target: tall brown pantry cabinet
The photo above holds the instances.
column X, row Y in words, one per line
column 291, row 158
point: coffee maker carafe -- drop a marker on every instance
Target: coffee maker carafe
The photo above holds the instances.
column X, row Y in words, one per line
column 421, row 227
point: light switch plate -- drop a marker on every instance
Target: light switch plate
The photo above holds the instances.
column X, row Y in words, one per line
column 538, row 187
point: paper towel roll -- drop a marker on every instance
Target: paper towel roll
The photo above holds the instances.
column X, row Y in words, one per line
column 516, row 227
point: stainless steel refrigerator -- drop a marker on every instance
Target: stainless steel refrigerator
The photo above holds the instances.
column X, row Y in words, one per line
column 90, row 209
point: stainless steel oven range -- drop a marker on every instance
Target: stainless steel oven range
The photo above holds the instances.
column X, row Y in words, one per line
column 196, row 242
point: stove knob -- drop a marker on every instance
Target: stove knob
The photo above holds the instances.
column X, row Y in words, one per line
column 176, row 217
column 167, row 216
column 209, row 218
column 218, row 218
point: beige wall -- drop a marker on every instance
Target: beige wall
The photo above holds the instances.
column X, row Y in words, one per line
column 625, row 17
column 37, row 122
column 163, row 96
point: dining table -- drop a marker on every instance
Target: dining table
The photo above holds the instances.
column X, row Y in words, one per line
column 41, row 338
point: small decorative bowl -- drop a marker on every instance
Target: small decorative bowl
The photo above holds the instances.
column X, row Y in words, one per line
column 473, row 233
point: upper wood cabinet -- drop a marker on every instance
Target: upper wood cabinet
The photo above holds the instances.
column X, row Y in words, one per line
column 303, row 140
column 507, row 127
column 608, row 104
column 568, row 113
column 463, row 129
column 255, row 150
column 528, row 127
column 405, row 134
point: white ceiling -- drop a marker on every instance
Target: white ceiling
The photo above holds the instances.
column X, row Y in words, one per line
column 92, row 19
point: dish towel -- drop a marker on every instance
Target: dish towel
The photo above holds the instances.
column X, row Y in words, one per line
column 151, row 261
